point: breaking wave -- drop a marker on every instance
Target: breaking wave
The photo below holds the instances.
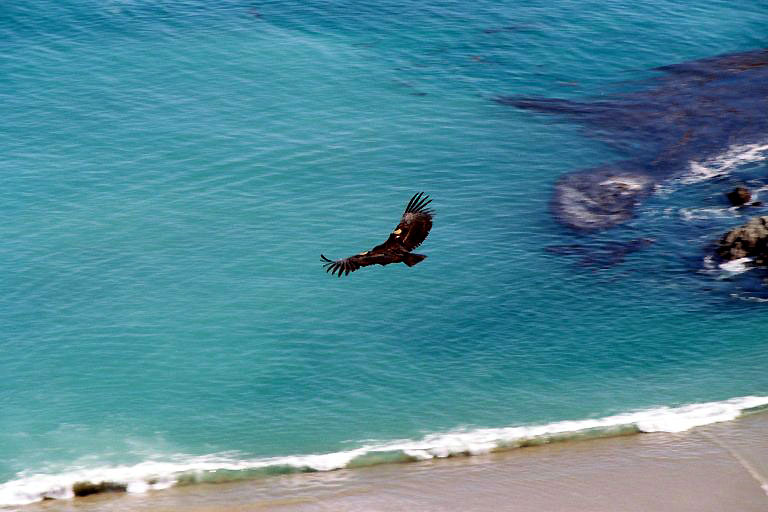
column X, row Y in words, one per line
column 30, row 488
column 725, row 163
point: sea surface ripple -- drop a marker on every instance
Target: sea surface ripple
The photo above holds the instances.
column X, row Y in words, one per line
column 172, row 171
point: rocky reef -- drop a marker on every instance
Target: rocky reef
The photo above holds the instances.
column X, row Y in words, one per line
column 747, row 241
column 694, row 111
column 601, row 197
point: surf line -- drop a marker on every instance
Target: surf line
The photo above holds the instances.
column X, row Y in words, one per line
column 157, row 475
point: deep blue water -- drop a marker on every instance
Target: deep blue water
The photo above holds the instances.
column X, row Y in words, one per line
column 171, row 172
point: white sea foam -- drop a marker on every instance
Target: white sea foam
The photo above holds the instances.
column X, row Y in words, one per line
column 748, row 298
column 736, row 266
column 726, row 162
column 29, row 488
column 725, row 270
column 691, row 214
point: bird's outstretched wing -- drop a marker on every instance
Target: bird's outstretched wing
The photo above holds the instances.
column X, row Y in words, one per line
column 412, row 230
column 347, row 265
column 415, row 224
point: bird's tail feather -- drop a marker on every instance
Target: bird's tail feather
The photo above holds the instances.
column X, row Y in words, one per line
column 411, row 259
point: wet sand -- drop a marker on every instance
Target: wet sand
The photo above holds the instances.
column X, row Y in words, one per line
column 720, row 467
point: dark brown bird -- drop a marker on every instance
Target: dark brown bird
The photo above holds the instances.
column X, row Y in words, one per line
column 409, row 234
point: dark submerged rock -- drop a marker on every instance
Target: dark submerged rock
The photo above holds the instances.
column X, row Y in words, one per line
column 747, row 241
column 739, row 196
column 599, row 198
column 87, row 488
column 603, row 255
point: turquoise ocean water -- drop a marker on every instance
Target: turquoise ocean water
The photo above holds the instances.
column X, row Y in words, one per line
column 171, row 172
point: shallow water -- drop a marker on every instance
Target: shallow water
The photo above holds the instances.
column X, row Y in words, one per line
column 171, row 174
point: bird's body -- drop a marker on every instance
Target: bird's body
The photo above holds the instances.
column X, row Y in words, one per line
column 412, row 230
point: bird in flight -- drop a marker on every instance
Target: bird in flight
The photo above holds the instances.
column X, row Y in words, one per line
column 412, row 230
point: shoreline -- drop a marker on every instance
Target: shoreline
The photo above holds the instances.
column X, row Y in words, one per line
column 721, row 466
column 155, row 475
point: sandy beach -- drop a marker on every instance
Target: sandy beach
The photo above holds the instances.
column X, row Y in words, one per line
column 720, row 467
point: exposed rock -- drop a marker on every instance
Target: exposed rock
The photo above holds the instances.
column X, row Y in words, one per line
column 88, row 488
column 747, row 241
column 739, row 196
